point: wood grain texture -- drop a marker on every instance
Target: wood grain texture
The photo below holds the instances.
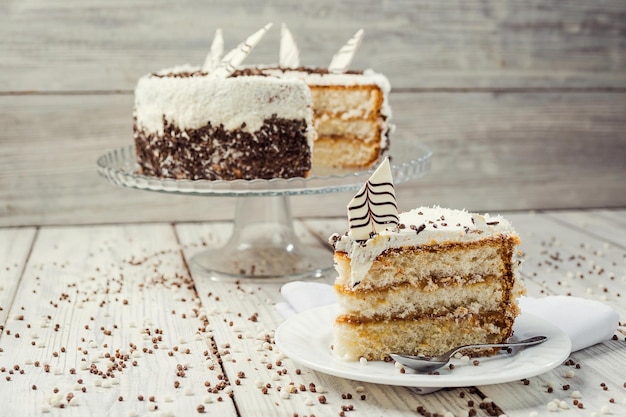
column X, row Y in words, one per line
column 111, row 310
column 15, row 246
column 492, row 152
column 85, row 292
column 573, row 253
column 106, row 45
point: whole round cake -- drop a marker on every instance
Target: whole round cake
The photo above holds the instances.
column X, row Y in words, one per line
column 222, row 122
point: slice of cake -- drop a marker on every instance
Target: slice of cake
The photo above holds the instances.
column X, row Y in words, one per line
column 423, row 281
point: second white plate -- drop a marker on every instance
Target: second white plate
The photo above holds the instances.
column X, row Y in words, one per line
column 306, row 338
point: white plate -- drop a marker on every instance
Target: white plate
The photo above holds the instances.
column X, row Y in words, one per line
column 306, row 338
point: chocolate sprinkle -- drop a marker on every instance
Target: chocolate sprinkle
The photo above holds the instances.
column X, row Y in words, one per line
column 279, row 149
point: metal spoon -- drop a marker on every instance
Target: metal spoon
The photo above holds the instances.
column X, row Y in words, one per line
column 430, row 363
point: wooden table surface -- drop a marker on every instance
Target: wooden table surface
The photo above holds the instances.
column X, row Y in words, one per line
column 102, row 320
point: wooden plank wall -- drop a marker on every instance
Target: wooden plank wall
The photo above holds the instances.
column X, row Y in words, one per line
column 523, row 102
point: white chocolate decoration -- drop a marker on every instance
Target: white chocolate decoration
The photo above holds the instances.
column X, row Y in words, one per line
column 235, row 57
column 343, row 58
column 215, row 54
column 289, row 56
column 374, row 207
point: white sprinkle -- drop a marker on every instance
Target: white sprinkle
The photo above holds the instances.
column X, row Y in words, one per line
column 259, row 383
column 363, row 361
column 34, row 335
column 228, row 390
column 284, row 394
column 74, row 401
column 41, row 344
column 550, row 384
column 465, row 359
column 83, row 366
column 308, row 401
column 168, row 399
column 570, row 374
column 151, row 406
column 275, row 377
column 182, row 340
column 320, row 389
column 188, row 391
column 55, row 401
column 106, row 384
column 563, row 405
column 58, row 371
column 533, row 414
column 575, row 394
column 605, row 409
column 98, row 382
column 360, row 389
column 44, row 408
column 552, row 406
column 28, row 361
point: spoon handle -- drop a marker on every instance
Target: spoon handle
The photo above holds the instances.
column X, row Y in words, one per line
column 526, row 342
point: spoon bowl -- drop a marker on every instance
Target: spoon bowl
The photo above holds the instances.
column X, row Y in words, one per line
column 431, row 363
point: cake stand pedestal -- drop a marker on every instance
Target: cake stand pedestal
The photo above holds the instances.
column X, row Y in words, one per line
column 263, row 245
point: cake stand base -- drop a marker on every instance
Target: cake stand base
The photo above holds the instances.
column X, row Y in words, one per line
column 263, row 247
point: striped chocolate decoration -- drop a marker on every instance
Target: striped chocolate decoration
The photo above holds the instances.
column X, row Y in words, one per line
column 374, row 206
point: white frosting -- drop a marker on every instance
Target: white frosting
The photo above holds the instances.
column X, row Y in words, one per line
column 192, row 101
column 441, row 226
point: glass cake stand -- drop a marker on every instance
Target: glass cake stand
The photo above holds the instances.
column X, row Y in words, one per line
column 263, row 245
